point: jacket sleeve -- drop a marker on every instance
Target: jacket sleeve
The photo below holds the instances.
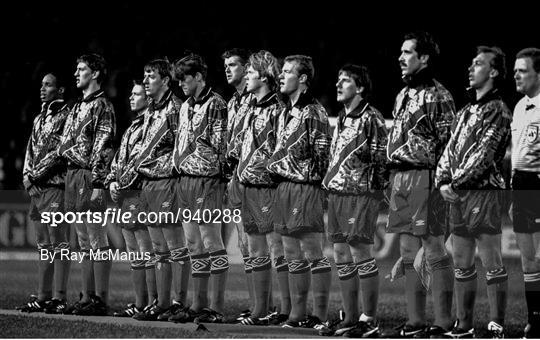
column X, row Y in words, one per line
column 319, row 137
column 102, row 149
column 217, row 119
column 378, row 142
column 494, row 131
column 237, row 135
column 113, row 173
column 52, row 160
column 28, row 161
column 442, row 174
column 441, row 113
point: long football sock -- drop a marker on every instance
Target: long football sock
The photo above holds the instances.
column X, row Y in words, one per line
column 200, row 273
column 299, row 282
column 219, row 270
column 321, row 273
column 532, row 296
column 415, row 295
column 497, row 289
column 348, row 282
column 368, row 272
column 465, row 285
column 282, row 271
column 442, row 291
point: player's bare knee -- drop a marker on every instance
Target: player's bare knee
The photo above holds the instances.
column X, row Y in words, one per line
column 408, row 247
column 311, row 249
column 275, row 244
column 292, row 253
column 342, row 253
column 434, row 250
column 491, row 259
column 195, row 246
column 159, row 245
column 361, row 252
column 243, row 243
column 132, row 245
column 212, row 244
column 408, row 253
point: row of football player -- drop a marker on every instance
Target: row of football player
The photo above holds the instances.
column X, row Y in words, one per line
column 283, row 153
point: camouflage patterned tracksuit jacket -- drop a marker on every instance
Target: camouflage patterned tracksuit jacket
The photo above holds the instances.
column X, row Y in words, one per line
column 87, row 141
column 423, row 116
column 202, row 136
column 237, row 109
column 358, row 152
column 480, row 135
column 123, row 165
column 303, row 142
column 42, row 164
column 159, row 131
column 259, row 141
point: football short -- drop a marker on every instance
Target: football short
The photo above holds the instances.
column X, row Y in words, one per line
column 298, row 209
column 159, row 196
column 415, row 206
column 352, row 219
column 478, row 212
column 525, row 195
column 235, row 193
column 257, row 214
column 201, row 195
column 49, row 199
column 130, row 201
column 79, row 191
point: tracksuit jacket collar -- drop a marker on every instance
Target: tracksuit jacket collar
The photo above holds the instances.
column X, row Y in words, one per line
column 424, row 78
column 492, row 94
column 93, row 96
column 267, row 100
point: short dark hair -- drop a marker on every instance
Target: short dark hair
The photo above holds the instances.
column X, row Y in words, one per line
column 361, row 76
column 96, row 63
column 425, row 44
column 267, row 65
column 241, row 53
column 498, row 62
column 161, row 66
column 59, row 77
column 190, row 65
column 304, row 66
column 534, row 54
column 138, row 82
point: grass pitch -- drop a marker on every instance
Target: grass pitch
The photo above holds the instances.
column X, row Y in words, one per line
column 18, row 280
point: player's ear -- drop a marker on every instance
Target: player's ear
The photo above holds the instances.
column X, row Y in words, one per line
column 303, row 78
column 61, row 90
column 493, row 73
column 360, row 90
column 424, row 58
column 198, row 76
column 95, row 74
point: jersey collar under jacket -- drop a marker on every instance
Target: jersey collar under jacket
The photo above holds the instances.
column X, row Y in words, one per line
column 53, row 107
column 164, row 100
column 356, row 113
column 203, row 97
column 492, row 94
column 93, row 96
column 269, row 99
column 304, row 99
column 238, row 96
column 424, row 78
